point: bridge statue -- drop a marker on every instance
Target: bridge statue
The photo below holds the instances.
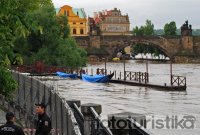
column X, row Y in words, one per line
column 186, row 30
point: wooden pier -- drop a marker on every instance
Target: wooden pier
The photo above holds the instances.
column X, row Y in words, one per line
column 160, row 87
column 177, row 83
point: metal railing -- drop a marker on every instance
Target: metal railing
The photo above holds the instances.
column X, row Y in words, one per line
column 137, row 129
column 79, row 117
column 97, row 126
column 30, row 91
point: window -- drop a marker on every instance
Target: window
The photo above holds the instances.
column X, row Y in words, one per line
column 81, row 31
column 81, row 23
column 74, row 31
column 74, row 23
column 65, row 13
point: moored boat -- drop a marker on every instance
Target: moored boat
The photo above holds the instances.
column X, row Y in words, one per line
column 65, row 75
column 97, row 78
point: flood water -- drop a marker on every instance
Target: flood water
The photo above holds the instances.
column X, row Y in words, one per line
column 154, row 103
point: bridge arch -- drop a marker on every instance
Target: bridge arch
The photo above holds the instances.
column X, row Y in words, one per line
column 147, row 43
column 171, row 46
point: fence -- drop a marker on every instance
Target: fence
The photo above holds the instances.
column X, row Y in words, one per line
column 178, row 80
column 31, row 91
column 137, row 76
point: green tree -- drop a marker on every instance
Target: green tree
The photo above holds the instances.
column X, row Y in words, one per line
column 146, row 30
column 149, row 28
column 49, row 41
column 13, row 25
column 138, row 31
column 170, row 29
column 65, row 31
column 7, row 84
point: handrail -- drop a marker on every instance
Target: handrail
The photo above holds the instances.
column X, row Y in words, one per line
column 74, row 121
column 79, row 117
column 139, row 127
column 96, row 116
column 76, row 107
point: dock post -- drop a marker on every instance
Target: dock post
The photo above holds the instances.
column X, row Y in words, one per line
column 147, row 70
column 119, row 123
column 139, row 77
column 124, row 70
column 91, row 71
column 88, row 119
column 171, row 72
column 105, row 67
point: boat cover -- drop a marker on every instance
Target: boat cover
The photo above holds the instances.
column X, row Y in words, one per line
column 65, row 75
column 97, row 78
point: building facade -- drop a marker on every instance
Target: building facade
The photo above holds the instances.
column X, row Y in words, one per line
column 77, row 20
column 112, row 22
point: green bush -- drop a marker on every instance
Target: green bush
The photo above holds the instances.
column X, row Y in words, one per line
column 7, row 84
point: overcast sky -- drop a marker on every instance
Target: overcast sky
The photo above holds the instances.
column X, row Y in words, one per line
column 159, row 12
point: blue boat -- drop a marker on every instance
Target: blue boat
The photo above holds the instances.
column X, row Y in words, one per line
column 65, row 75
column 97, row 78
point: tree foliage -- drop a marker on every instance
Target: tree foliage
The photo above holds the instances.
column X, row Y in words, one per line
column 7, row 84
column 146, row 30
column 49, row 41
column 170, row 29
column 149, row 28
column 30, row 31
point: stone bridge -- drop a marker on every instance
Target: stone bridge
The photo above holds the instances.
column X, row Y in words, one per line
column 180, row 48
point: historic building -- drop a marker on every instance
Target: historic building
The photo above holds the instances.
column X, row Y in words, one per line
column 77, row 20
column 110, row 22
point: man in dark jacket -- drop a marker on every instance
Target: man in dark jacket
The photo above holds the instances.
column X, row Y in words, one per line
column 10, row 128
column 43, row 126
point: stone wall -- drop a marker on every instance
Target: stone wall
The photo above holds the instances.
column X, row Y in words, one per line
column 187, row 59
column 82, row 41
column 187, row 43
column 95, row 41
column 197, row 45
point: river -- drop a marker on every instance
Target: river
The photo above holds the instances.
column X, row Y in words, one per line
column 154, row 103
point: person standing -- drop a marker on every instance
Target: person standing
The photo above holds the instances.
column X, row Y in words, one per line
column 10, row 128
column 43, row 126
